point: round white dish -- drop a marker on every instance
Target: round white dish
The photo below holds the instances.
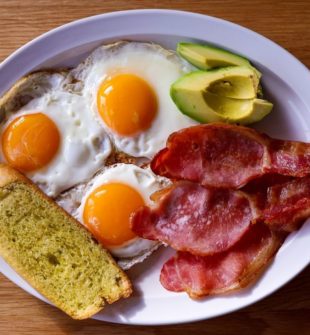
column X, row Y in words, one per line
column 286, row 82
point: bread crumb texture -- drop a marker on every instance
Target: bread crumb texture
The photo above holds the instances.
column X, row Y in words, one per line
column 55, row 254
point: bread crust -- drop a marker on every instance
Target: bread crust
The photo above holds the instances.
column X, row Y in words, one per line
column 19, row 94
column 8, row 176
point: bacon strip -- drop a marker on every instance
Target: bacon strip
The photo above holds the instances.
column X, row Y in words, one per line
column 290, row 158
column 205, row 221
column 229, row 156
column 221, row 273
column 287, row 204
column 225, row 237
column 197, row 219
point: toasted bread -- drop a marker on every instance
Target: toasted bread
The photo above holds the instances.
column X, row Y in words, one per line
column 27, row 88
column 53, row 252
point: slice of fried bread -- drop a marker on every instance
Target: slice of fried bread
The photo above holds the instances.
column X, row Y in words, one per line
column 53, row 252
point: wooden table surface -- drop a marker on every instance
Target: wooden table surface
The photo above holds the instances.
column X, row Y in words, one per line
column 286, row 22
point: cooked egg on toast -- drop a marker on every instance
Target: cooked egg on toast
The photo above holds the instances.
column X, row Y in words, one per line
column 81, row 135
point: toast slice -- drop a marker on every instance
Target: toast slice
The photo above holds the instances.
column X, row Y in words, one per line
column 53, row 252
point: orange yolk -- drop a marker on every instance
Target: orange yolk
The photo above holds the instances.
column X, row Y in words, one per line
column 30, row 142
column 127, row 104
column 107, row 213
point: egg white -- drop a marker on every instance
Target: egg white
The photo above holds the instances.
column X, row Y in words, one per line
column 84, row 145
column 143, row 181
column 159, row 68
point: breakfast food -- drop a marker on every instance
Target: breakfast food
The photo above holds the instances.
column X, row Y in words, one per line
column 231, row 155
column 106, row 203
column 126, row 85
column 53, row 252
column 86, row 137
column 227, row 94
column 213, row 219
column 224, row 272
column 208, row 57
column 64, row 128
column 224, row 237
column 287, row 204
column 227, row 90
column 47, row 135
column 193, row 218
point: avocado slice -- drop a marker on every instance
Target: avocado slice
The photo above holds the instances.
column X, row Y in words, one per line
column 207, row 107
column 207, row 57
column 206, row 97
column 238, row 82
column 243, row 111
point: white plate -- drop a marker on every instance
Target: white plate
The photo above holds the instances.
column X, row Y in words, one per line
column 286, row 82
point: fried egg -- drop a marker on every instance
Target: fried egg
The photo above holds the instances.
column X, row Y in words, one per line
column 52, row 140
column 72, row 122
column 108, row 203
column 127, row 85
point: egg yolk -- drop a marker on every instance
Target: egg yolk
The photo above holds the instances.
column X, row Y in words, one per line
column 127, row 104
column 107, row 213
column 30, row 142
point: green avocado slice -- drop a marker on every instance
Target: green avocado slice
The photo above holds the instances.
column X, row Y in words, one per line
column 238, row 82
column 243, row 111
column 207, row 57
column 207, row 107
column 206, row 97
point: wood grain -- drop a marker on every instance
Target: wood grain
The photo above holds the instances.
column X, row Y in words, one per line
column 287, row 23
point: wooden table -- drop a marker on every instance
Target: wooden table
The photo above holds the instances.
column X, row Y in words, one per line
column 287, row 23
